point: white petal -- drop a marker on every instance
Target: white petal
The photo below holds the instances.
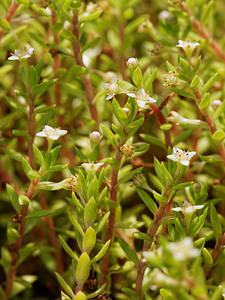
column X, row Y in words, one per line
column 47, row 127
column 133, row 95
column 172, row 157
column 184, row 162
column 151, row 99
column 141, row 103
column 191, row 154
column 175, row 149
column 53, row 137
column 13, row 57
column 177, row 209
column 198, row 206
column 30, row 51
column 41, row 134
column 26, row 56
column 61, row 132
column 109, row 97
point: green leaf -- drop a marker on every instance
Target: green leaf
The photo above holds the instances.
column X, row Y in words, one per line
column 31, row 174
column 219, row 135
column 89, row 240
column 109, row 135
column 91, row 17
column 152, row 140
column 83, row 269
column 90, row 212
column 67, row 248
column 38, row 156
column 13, row 197
column 210, row 83
column 75, row 223
column 101, row 253
column 215, row 221
column 205, row 101
column 32, row 76
column 129, row 252
column 148, row 201
column 141, row 236
column 65, row 285
column 119, row 113
column 38, row 214
column 137, row 77
column 183, row 93
column 130, row 292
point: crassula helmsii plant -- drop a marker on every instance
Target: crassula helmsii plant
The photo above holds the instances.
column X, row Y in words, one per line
column 112, row 164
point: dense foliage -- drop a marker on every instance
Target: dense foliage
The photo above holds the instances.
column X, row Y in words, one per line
column 112, row 165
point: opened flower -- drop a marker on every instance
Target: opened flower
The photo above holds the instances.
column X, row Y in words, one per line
column 18, row 54
column 181, row 156
column 188, row 47
column 184, row 249
column 112, row 88
column 142, row 98
column 91, row 166
column 188, row 208
column 51, row 133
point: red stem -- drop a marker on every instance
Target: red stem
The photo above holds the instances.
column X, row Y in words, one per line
column 204, row 33
column 111, row 222
column 86, row 78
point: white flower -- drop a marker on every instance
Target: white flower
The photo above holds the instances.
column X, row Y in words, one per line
column 187, row 208
column 174, row 117
column 112, row 88
column 164, row 15
column 92, row 166
column 183, row 250
column 181, row 156
column 90, row 54
column 51, row 133
column 142, row 98
column 18, row 55
column 132, row 62
column 188, row 47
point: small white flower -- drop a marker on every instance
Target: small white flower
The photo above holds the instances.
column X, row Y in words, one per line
column 142, row 98
column 90, row 54
column 187, row 208
column 112, row 88
column 174, row 117
column 92, row 167
column 18, row 55
column 164, row 15
column 132, row 62
column 216, row 103
column 181, row 156
column 188, row 46
column 51, row 133
column 184, row 249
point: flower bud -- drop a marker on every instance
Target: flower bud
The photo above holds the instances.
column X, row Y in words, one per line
column 132, row 62
column 95, row 138
column 89, row 240
column 127, row 150
column 83, row 269
column 216, row 103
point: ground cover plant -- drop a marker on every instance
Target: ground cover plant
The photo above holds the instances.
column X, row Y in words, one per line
column 112, row 166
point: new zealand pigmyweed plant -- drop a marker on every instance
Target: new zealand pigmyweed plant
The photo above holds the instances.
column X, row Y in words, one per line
column 112, row 164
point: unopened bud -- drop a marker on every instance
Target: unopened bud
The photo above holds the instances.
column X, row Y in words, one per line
column 95, row 137
column 216, row 103
column 132, row 62
column 127, row 150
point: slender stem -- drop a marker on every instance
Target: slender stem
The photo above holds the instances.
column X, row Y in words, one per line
column 111, row 222
column 204, row 33
column 31, row 129
column 152, row 232
column 52, row 236
column 86, row 78
column 18, row 244
column 212, row 127
column 11, row 12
